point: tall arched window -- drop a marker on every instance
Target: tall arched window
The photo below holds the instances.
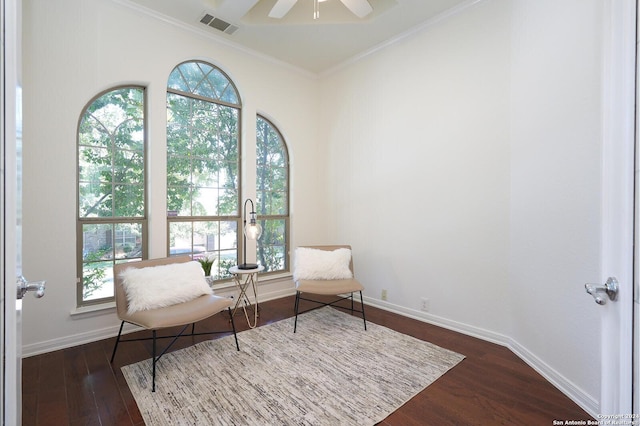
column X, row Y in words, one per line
column 203, row 162
column 112, row 218
column 272, row 192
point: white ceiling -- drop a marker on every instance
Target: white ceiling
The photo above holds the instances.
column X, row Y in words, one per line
column 298, row 39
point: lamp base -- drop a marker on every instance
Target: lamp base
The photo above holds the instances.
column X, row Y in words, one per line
column 248, row 266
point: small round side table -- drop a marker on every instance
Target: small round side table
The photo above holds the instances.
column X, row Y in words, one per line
column 244, row 279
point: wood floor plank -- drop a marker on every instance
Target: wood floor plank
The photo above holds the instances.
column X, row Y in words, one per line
column 491, row 386
column 81, row 401
column 112, row 409
column 30, row 373
column 51, row 408
column 134, row 352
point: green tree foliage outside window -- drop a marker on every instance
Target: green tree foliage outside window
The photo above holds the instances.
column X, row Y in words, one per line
column 203, row 114
column 111, row 189
column 272, row 189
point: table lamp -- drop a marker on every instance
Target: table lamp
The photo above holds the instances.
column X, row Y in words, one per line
column 252, row 230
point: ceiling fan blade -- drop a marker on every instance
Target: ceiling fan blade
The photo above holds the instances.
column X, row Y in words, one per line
column 360, row 8
column 281, row 8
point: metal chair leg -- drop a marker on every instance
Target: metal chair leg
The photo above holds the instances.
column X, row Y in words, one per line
column 115, row 347
column 362, row 307
column 233, row 327
column 153, row 375
column 296, row 306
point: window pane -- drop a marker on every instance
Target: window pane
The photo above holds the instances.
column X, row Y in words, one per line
column 94, row 164
column 97, row 242
column 110, row 151
column 185, row 77
column 129, row 166
column 228, row 202
column 214, row 239
column 97, row 280
column 111, row 187
column 128, row 241
column 272, row 196
column 272, row 244
column 92, row 133
column 129, row 201
column 102, row 245
column 205, row 202
column 130, row 134
column 204, row 155
column 179, row 171
column 95, row 182
column 94, row 201
column 179, row 201
column 271, row 170
column 204, row 80
column 275, row 202
column 180, row 238
column 228, row 258
column 177, row 81
column 97, row 253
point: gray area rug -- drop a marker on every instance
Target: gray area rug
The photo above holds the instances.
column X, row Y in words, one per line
column 331, row 372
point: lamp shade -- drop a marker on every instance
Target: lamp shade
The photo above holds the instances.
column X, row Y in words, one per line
column 253, row 230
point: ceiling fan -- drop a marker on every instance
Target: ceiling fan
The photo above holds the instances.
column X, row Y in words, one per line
column 360, row 8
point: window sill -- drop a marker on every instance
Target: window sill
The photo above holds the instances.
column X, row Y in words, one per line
column 92, row 310
column 276, row 277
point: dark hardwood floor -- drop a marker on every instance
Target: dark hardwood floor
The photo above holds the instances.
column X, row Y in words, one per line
column 491, row 386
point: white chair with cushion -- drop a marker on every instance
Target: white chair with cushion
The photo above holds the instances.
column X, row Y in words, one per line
column 162, row 293
column 325, row 271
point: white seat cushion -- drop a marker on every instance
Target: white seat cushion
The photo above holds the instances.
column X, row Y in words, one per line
column 160, row 286
column 315, row 264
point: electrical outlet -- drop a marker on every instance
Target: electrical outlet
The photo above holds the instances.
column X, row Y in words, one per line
column 383, row 296
column 424, row 304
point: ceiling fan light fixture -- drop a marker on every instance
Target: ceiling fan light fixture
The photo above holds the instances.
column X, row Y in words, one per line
column 316, row 8
column 360, row 8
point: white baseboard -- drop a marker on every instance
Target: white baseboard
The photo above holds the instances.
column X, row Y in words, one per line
column 74, row 340
column 573, row 392
column 459, row 327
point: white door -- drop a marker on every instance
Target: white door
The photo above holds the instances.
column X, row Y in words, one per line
column 10, row 214
column 11, row 307
column 619, row 80
column 11, row 386
column 636, row 278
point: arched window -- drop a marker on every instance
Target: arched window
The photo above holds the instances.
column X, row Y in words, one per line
column 272, row 193
column 112, row 218
column 203, row 163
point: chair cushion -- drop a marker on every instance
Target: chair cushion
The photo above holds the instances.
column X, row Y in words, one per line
column 315, row 264
column 180, row 314
column 160, row 286
column 329, row 286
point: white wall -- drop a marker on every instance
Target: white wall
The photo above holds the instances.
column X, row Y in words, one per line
column 465, row 168
column 556, row 142
column 74, row 49
column 419, row 172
